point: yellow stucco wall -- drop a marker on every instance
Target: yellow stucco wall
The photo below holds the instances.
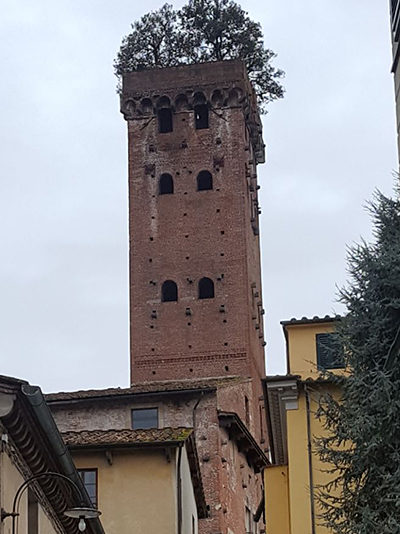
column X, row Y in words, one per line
column 10, row 481
column 299, row 472
column 303, row 362
column 137, row 493
column 302, row 348
column 277, row 514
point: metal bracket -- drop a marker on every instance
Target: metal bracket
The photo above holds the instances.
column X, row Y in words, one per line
column 5, row 514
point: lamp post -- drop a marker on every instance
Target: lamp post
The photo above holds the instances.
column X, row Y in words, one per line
column 81, row 512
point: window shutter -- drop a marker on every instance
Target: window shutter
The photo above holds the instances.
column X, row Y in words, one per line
column 327, row 352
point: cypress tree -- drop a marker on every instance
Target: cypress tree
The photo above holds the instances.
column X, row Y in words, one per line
column 362, row 443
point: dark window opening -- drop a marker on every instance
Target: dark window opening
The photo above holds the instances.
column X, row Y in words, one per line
column 206, row 288
column 166, row 184
column 261, row 421
column 247, row 410
column 165, row 120
column 89, row 479
column 144, row 418
column 329, row 352
column 201, row 116
column 169, row 291
column 33, row 513
column 204, row 181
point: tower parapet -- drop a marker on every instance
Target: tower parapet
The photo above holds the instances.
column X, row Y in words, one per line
column 219, row 84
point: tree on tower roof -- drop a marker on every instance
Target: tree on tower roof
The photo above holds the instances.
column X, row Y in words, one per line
column 203, row 30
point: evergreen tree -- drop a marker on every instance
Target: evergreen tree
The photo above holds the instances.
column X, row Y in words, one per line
column 363, row 428
column 203, row 30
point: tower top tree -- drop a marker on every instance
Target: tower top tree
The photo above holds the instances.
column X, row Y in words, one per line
column 203, row 30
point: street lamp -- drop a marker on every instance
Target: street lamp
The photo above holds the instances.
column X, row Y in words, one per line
column 81, row 512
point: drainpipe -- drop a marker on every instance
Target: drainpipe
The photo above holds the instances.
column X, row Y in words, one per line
column 179, row 487
column 310, row 465
column 194, row 410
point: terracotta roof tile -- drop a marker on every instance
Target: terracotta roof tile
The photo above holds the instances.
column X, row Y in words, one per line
column 97, row 438
column 147, row 387
column 309, row 320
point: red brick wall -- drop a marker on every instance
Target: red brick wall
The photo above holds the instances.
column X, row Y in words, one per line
column 191, row 234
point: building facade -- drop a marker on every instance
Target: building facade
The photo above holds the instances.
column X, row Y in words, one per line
column 291, row 402
column 31, row 448
column 230, row 459
column 144, row 480
column 196, row 313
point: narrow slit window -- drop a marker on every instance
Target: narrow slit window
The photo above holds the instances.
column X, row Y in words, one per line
column 169, row 291
column 206, row 288
column 33, row 513
column 166, row 184
column 165, row 120
column 201, row 116
column 204, row 181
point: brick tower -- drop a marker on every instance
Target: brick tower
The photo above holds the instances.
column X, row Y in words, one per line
column 195, row 139
column 197, row 355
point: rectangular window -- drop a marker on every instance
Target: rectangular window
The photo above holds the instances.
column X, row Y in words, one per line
column 165, row 120
column 329, row 353
column 89, row 479
column 144, row 418
column 201, row 116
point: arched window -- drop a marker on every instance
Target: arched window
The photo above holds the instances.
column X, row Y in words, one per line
column 201, row 116
column 204, row 181
column 206, row 288
column 166, row 184
column 169, row 291
column 164, row 120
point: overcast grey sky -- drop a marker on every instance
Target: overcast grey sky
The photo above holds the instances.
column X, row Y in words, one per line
column 63, row 185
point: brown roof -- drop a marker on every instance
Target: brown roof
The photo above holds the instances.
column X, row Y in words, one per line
column 98, row 438
column 147, row 387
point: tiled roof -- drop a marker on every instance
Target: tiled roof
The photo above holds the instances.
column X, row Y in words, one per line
column 98, row 438
column 147, row 387
column 315, row 319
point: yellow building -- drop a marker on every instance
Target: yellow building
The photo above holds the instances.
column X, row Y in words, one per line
column 144, row 480
column 291, row 400
column 36, row 467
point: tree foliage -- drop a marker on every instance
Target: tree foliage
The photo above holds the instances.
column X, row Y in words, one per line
column 203, row 30
column 363, row 443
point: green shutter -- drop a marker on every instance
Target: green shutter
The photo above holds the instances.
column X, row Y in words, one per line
column 329, row 355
